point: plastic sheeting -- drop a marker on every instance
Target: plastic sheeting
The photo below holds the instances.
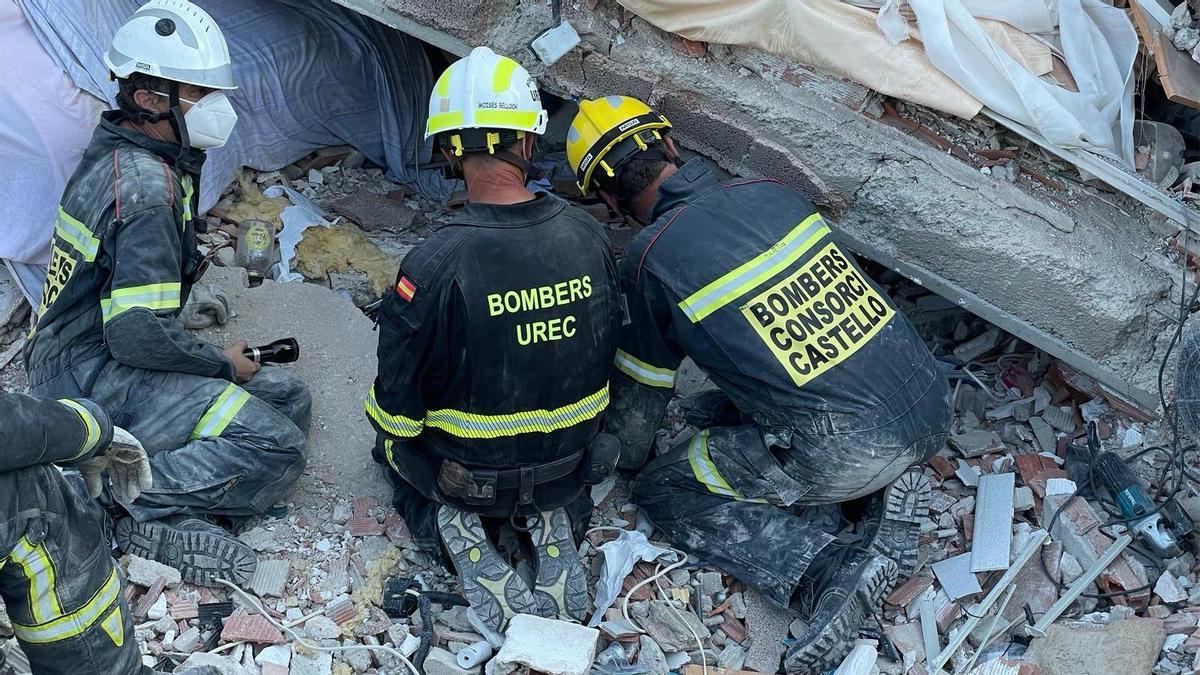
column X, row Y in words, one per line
column 953, row 62
column 311, row 74
column 45, row 124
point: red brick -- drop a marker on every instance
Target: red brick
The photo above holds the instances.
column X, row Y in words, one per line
column 361, row 506
column 689, row 47
column 907, row 591
column 251, row 628
column 943, row 466
column 363, row 526
column 151, row 597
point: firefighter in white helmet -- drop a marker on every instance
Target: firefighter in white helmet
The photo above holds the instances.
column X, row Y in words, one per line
column 224, row 438
column 493, row 348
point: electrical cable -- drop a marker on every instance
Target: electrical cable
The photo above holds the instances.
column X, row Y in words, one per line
column 1175, row 457
column 256, row 605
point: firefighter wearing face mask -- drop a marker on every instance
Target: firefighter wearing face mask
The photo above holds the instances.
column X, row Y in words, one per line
column 224, row 437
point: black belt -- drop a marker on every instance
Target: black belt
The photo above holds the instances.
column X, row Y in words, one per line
column 480, row 485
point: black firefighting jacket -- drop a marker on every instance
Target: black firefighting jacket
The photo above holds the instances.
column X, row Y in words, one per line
column 36, row 430
column 123, row 259
column 748, row 280
column 495, row 348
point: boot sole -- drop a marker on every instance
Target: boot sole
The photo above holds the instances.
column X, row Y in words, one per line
column 492, row 587
column 834, row 641
column 201, row 557
column 905, row 502
column 561, row 588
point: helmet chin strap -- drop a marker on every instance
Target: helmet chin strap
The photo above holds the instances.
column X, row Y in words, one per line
column 174, row 114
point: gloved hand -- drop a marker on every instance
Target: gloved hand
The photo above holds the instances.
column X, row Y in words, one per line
column 127, row 467
column 206, row 306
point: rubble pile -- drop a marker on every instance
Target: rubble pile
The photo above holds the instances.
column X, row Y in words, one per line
column 1013, row 523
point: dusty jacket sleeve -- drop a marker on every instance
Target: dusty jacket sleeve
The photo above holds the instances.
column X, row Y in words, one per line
column 141, row 316
column 644, row 375
column 408, row 328
column 36, row 430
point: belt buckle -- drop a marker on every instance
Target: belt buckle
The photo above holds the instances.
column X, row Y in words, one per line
column 480, row 488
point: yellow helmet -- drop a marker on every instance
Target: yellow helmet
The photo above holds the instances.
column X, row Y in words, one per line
column 607, row 132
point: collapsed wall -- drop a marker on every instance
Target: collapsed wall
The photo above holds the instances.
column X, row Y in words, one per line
column 1078, row 273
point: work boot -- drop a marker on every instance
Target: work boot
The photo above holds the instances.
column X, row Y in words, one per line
column 893, row 520
column 494, row 589
column 201, row 551
column 844, row 584
column 561, row 588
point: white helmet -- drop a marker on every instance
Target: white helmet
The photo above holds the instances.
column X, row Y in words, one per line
column 485, row 91
column 174, row 40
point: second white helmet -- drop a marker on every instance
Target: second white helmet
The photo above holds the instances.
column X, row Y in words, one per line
column 485, row 91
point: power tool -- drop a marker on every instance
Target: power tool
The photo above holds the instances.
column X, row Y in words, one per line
column 1160, row 528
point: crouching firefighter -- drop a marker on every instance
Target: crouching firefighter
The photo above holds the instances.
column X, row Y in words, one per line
column 826, row 393
column 57, row 578
column 224, row 438
column 492, row 355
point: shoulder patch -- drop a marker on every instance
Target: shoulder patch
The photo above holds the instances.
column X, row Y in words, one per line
column 406, row 289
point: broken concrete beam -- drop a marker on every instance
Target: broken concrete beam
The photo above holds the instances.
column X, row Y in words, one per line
column 992, row 541
column 548, row 646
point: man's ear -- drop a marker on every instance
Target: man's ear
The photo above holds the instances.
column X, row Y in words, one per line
column 148, row 100
column 529, row 143
column 671, row 150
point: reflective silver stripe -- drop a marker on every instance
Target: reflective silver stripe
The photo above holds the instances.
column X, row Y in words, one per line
column 644, row 372
column 76, row 623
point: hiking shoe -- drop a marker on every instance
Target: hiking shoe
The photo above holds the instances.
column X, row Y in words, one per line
column 201, row 551
column 893, row 522
column 494, row 589
column 561, row 588
column 849, row 583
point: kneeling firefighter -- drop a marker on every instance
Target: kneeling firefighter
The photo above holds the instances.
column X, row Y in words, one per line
column 494, row 355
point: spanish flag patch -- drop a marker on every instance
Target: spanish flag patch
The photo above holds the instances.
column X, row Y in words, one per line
column 406, row 289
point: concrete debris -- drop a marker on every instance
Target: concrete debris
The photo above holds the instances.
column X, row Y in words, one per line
column 442, row 662
column 673, row 628
column 223, row 665
column 860, row 661
column 1169, row 589
column 1128, row 646
column 651, row 657
column 547, row 646
column 145, row 572
column 976, row 443
column 767, row 625
column 955, row 576
column 270, row 577
column 311, row 664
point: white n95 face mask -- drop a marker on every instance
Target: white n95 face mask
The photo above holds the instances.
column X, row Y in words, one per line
column 210, row 121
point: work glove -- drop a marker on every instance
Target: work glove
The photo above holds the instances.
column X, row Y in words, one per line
column 206, row 306
column 126, row 464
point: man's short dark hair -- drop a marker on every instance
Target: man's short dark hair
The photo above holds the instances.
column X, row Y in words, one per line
column 126, row 86
column 638, row 173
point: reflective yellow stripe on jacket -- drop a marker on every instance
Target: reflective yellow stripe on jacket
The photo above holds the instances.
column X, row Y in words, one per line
column 89, row 422
column 705, row 470
column 643, row 372
column 396, row 425
column 75, row 233
column 153, row 297
column 474, row 425
column 64, row 626
column 753, row 273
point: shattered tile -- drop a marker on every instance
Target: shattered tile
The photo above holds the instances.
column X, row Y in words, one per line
column 364, row 526
column 251, row 628
column 955, row 576
column 270, row 578
column 976, row 443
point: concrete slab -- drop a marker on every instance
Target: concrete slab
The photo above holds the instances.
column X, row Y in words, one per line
column 337, row 361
